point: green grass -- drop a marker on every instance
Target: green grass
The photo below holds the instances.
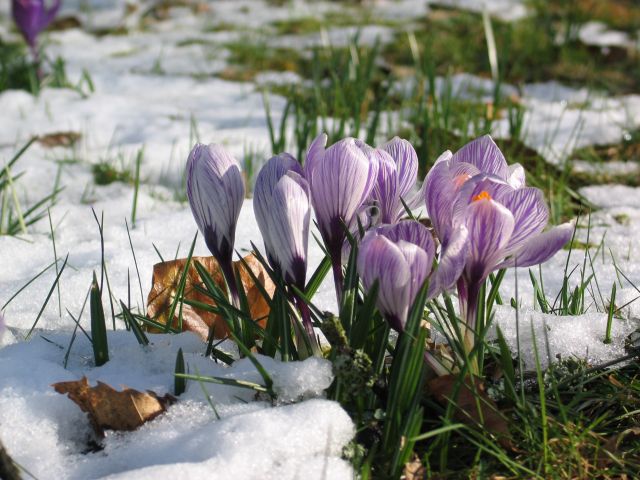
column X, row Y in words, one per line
column 527, row 51
column 18, row 72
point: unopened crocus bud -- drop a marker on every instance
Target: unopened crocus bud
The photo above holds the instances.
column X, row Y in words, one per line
column 283, row 211
column 33, row 16
column 341, row 179
column 215, row 189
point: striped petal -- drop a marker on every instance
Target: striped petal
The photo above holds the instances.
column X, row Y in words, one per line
column 267, row 216
column 379, row 259
column 385, row 191
column 452, row 261
column 215, row 189
column 540, row 248
column 529, row 212
column 289, row 227
column 340, row 184
column 490, row 226
column 485, row 155
column 412, row 232
column 406, row 160
column 419, row 267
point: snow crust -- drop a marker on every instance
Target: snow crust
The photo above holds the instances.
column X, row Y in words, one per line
column 49, row 435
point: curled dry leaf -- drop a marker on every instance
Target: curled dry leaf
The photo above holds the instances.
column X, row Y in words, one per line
column 165, row 283
column 59, row 139
column 474, row 406
column 109, row 409
column 414, row 470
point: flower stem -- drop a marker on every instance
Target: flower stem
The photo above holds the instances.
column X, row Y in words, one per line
column 305, row 313
column 230, row 278
column 468, row 296
column 338, row 276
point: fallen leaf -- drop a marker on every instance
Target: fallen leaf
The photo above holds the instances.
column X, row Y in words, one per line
column 467, row 401
column 109, row 409
column 413, row 470
column 165, row 282
column 59, row 139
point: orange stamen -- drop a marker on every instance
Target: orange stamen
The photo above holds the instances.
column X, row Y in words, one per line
column 483, row 195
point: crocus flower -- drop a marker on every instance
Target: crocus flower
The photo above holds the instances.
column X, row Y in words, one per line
column 282, row 208
column 31, row 17
column 397, row 175
column 283, row 211
column 341, row 179
column 505, row 219
column 400, row 257
column 216, row 191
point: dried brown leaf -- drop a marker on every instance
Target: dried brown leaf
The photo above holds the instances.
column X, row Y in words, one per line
column 474, row 406
column 165, row 282
column 59, row 139
column 414, row 470
column 113, row 410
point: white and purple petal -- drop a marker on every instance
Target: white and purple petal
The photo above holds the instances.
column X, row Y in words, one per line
column 420, row 264
column 529, row 212
column 540, row 248
column 215, row 189
column 490, row 226
column 385, row 190
column 340, row 184
column 268, row 177
column 289, row 227
column 380, row 260
column 485, row 155
column 406, row 160
column 451, row 263
column 413, row 232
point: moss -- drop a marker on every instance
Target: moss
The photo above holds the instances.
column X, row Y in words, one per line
column 622, row 219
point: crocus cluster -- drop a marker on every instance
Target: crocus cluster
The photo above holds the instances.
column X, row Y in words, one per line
column 32, row 17
column 483, row 218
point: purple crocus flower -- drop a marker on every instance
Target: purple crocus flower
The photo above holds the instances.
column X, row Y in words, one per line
column 283, row 211
column 400, row 257
column 397, row 175
column 505, row 219
column 341, row 179
column 282, row 208
column 31, row 17
column 216, row 191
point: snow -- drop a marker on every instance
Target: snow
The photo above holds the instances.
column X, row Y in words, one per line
column 156, row 89
column 599, row 35
column 579, row 337
column 48, row 434
column 508, row 10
